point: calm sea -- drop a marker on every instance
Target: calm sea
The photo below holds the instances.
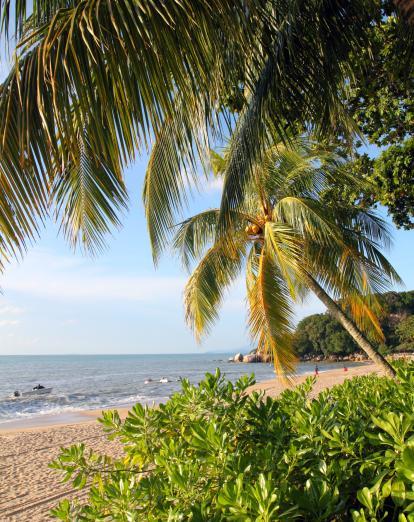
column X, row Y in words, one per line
column 82, row 382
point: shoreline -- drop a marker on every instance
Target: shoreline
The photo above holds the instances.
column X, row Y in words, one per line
column 58, row 420
column 30, row 488
column 52, row 420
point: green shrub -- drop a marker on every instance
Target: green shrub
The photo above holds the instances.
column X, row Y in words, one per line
column 214, row 453
column 405, row 333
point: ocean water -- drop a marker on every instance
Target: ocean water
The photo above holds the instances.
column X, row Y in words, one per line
column 83, row 382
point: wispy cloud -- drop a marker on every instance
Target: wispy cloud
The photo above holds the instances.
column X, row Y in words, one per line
column 56, row 277
column 101, row 287
column 8, row 322
column 10, row 310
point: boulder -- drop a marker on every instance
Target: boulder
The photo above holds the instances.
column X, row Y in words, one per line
column 251, row 358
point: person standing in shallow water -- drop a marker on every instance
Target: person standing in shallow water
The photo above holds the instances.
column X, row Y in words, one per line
column 316, row 370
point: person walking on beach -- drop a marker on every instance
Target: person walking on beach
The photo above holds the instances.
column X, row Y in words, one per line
column 316, row 371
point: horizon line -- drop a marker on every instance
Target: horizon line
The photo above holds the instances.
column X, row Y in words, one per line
column 116, row 353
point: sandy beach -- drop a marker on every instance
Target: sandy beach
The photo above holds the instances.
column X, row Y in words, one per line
column 29, row 489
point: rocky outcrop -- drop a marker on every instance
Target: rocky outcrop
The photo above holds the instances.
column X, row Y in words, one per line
column 251, row 357
column 254, row 357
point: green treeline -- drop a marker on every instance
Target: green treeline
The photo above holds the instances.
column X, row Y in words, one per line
column 321, row 335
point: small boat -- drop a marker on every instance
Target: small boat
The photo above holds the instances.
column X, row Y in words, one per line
column 34, row 392
column 163, row 380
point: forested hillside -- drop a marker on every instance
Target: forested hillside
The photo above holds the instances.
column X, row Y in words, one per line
column 321, row 335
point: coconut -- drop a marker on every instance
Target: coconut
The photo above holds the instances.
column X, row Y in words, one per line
column 255, row 229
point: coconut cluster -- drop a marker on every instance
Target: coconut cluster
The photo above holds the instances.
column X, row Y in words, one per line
column 253, row 229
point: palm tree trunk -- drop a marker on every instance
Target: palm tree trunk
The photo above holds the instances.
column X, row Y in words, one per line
column 406, row 8
column 350, row 327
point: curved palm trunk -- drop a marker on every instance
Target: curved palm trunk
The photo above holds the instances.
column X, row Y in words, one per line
column 406, row 8
column 350, row 327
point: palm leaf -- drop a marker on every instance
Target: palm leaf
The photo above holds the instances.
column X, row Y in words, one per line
column 88, row 198
column 270, row 312
column 302, row 81
column 112, row 69
column 205, row 289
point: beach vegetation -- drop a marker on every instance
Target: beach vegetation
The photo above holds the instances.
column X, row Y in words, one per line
column 214, row 452
column 288, row 243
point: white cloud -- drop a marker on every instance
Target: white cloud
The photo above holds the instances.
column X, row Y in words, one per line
column 10, row 310
column 8, row 322
column 57, row 277
column 77, row 286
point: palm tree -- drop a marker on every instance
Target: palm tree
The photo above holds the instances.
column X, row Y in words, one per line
column 288, row 243
column 406, row 7
column 94, row 82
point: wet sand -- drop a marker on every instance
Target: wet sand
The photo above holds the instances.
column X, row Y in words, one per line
column 29, row 489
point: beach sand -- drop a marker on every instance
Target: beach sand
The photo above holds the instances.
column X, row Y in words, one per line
column 29, row 489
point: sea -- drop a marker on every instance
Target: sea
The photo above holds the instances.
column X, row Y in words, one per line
column 90, row 382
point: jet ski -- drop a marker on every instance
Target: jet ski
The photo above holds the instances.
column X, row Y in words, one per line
column 34, row 392
column 163, row 380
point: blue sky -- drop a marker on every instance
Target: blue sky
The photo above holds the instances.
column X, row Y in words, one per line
column 55, row 301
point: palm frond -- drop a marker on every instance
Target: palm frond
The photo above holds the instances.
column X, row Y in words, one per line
column 172, row 169
column 270, row 315
column 206, row 287
column 308, row 217
column 198, row 232
column 114, row 70
column 302, row 81
column 88, row 197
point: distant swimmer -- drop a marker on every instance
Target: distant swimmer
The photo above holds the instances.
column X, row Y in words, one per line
column 148, row 381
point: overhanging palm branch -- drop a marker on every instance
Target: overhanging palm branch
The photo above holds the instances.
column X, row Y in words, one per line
column 115, row 70
column 88, row 198
column 302, row 81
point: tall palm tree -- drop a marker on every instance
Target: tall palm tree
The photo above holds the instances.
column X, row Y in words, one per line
column 288, row 243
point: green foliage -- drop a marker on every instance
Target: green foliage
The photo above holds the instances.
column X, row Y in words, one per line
column 388, row 179
column 214, row 453
column 405, row 333
column 397, row 303
column 397, row 307
column 381, row 100
column 321, row 334
column 382, row 93
column 393, row 174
